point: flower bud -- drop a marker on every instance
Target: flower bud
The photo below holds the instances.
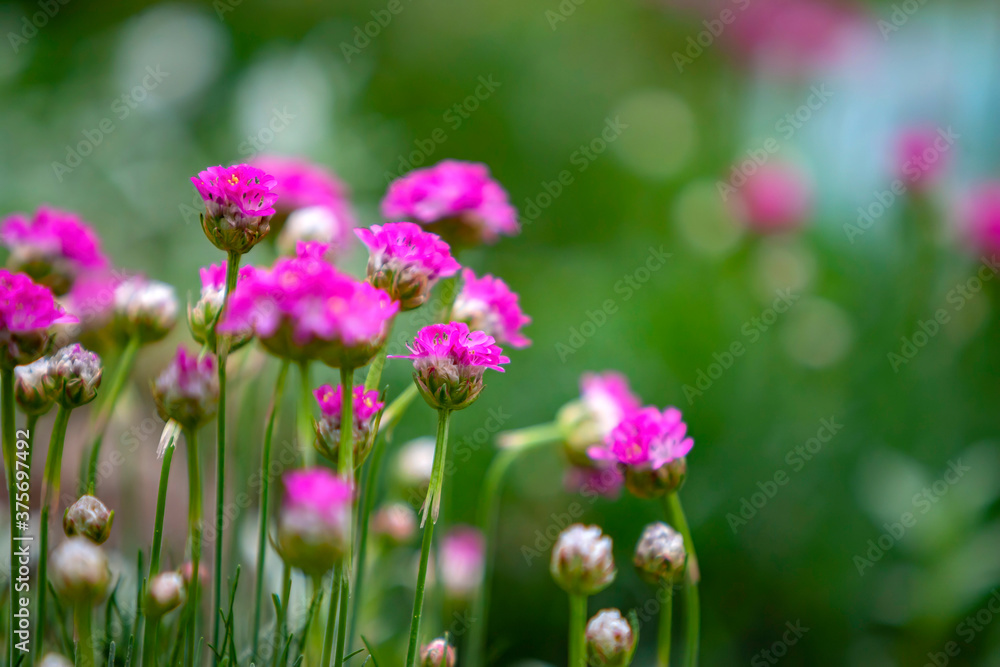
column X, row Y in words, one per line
column 89, row 518
column 582, row 562
column 76, row 375
column 166, row 592
column 644, row 481
column 610, row 640
column 187, row 390
column 413, row 468
column 463, row 554
column 314, row 525
column 437, row 654
column 78, row 569
column 659, row 555
column 238, row 205
column 395, row 522
column 187, row 573
column 55, row 660
column 33, row 387
column 203, row 315
column 145, row 308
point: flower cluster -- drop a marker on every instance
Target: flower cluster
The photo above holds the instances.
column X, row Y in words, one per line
column 54, row 247
column 406, row 261
column 449, row 363
column 315, row 520
column 239, row 203
column 487, row 304
column 364, row 408
column 27, row 312
column 458, row 200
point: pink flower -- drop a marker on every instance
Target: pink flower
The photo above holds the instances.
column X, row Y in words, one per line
column 487, row 304
column 54, row 247
column 314, row 526
column 239, row 204
column 647, row 437
column 300, row 184
column 364, row 408
column 921, row 155
column 463, row 552
column 366, row 403
column 450, row 361
column 609, row 399
column 318, row 491
column 187, row 390
column 27, row 312
column 777, row 198
column 979, row 217
column 203, row 314
column 458, row 199
column 303, row 308
column 406, row 261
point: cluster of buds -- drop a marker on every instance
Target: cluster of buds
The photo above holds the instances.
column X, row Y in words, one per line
column 660, row 556
column 88, row 517
column 28, row 312
column 449, row 363
column 166, row 592
column 187, row 391
column 204, row 314
column 439, row 653
column 314, row 526
column 79, row 571
column 143, row 308
column 582, row 562
column 364, row 409
column 406, row 261
column 238, row 206
column 611, row 639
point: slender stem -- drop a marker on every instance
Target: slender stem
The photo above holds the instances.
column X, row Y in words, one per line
column 108, row 402
column 194, row 533
column 577, row 629
column 345, row 454
column 85, row 646
column 7, row 413
column 286, row 594
column 53, row 469
column 304, row 424
column 440, row 451
column 364, row 513
column 331, row 619
column 265, row 486
column 692, row 613
column 345, row 595
column 666, row 625
column 154, row 553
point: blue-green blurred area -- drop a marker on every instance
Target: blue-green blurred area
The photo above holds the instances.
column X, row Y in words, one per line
column 528, row 87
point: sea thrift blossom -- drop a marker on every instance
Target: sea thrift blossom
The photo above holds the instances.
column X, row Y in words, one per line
column 238, row 205
column 167, row 591
column 437, row 654
column 187, row 391
column 979, row 217
column 487, row 304
column 315, row 520
column 75, row 374
column 605, row 400
column 90, row 518
column 458, row 200
column 777, row 198
column 145, row 308
column 33, row 387
column 610, row 640
column 922, row 155
column 54, row 247
column 366, row 405
column 406, row 261
column 202, row 315
column 450, row 361
column 27, row 313
column 659, row 555
column 304, row 309
column 582, row 562
column 463, row 553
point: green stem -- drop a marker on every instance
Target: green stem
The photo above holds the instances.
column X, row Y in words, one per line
column 364, row 513
column 692, row 613
column 109, row 400
column 194, row 534
column 265, row 486
column 286, row 594
column 577, row 630
column 331, row 618
column 440, row 451
column 666, row 612
column 304, row 423
column 85, row 647
column 154, row 553
column 7, row 413
column 345, row 455
column 53, row 469
column 530, row 436
column 345, row 595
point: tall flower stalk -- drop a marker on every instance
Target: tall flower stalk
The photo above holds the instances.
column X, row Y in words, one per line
column 53, row 467
column 107, row 407
column 692, row 607
column 195, row 529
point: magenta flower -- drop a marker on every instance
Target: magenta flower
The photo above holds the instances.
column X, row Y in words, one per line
column 303, row 309
column 187, row 390
column 605, row 400
column 449, row 363
column 27, row 313
column 366, row 405
column 202, row 315
column 458, row 200
column 609, row 399
column 487, row 304
column 54, row 248
column 315, row 521
column 921, row 155
column 605, row 481
column 406, row 261
column 979, row 217
column 463, row 552
column 777, row 198
column 238, row 205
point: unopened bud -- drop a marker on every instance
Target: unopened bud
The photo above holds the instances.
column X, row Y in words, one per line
column 582, row 562
column 396, row 522
column 437, row 654
column 33, row 388
column 89, row 518
column 167, row 591
column 646, row 482
column 145, row 308
column 610, row 640
column 79, row 571
column 55, row 660
column 76, row 375
column 660, row 555
column 187, row 390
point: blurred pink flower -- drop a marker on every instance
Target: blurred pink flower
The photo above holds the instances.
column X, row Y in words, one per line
column 776, row 198
column 487, row 304
column 921, row 155
column 979, row 217
column 608, row 398
column 406, row 261
column 463, row 551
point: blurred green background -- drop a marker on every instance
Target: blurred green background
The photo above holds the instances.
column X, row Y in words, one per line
column 556, row 74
